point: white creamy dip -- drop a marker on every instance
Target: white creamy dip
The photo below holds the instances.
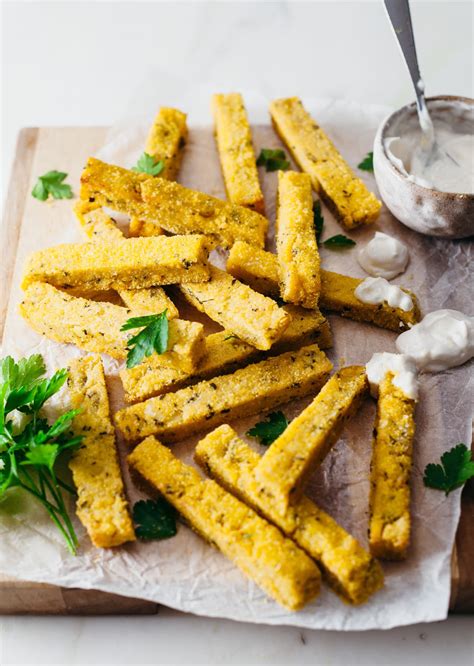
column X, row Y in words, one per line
column 375, row 290
column 450, row 167
column 403, row 369
column 443, row 339
column 383, row 256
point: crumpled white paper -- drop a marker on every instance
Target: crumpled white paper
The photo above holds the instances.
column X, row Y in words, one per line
column 186, row 573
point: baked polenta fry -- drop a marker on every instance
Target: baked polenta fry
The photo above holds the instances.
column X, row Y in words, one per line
column 300, row 449
column 132, row 263
column 165, row 143
column 175, row 208
column 297, row 252
column 254, row 318
column 257, row 387
column 96, row 326
column 102, row 506
column 258, row 548
column 223, row 353
column 332, row 178
column 166, row 140
column 389, row 527
column 349, row 569
column 236, row 152
column 259, row 269
column 101, row 227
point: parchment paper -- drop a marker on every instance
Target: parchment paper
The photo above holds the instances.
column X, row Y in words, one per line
column 186, row 573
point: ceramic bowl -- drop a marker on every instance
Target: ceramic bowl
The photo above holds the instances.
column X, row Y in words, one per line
column 443, row 214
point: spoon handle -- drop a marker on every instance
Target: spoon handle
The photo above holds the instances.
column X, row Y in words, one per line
column 399, row 14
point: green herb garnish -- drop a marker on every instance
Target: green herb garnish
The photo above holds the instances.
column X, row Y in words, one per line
column 273, row 160
column 156, row 519
column 367, row 163
column 147, row 164
column 51, row 183
column 339, row 241
column 457, row 467
column 153, row 337
column 318, row 220
column 30, row 447
column 267, row 431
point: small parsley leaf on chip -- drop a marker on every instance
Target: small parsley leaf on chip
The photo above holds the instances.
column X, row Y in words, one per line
column 147, row 164
column 152, row 338
column 156, row 519
column 267, row 431
column 457, row 467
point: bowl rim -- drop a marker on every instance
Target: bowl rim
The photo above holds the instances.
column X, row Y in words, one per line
column 409, row 107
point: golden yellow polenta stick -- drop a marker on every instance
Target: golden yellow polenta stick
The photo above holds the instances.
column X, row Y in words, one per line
column 133, row 263
column 259, row 549
column 95, row 222
column 259, row 269
column 165, row 143
column 297, row 252
column 348, row 568
column 100, row 226
column 95, row 326
column 301, row 448
column 236, row 152
column 389, row 526
column 344, row 193
column 170, row 205
column 257, row 387
column 166, row 140
column 223, row 353
column 149, row 301
column 102, row 506
column 254, row 318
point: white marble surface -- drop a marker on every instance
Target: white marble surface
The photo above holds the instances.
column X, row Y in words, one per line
column 70, row 63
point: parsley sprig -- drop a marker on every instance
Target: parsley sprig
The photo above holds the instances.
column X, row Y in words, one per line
column 147, row 164
column 267, row 431
column 367, row 163
column 152, row 338
column 273, row 159
column 156, row 519
column 456, row 468
column 30, row 447
column 51, row 183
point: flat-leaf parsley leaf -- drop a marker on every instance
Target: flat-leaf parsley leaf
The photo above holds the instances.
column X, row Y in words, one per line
column 147, row 164
column 51, row 183
column 367, row 163
column 156, row 519
column 273, row 159
column 267, row 431
column 338, row 242
column 152, row 338
column 456, row 468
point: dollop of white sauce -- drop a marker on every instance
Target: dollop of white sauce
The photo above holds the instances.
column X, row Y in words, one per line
column 445, row 163
column 403, row 369
column 443, row 339
column 375, row 290
column 383, row 256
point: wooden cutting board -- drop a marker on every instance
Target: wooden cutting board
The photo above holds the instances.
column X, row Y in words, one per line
column 31, row 159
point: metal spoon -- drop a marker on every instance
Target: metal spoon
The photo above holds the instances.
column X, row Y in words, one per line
column 399, row 14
